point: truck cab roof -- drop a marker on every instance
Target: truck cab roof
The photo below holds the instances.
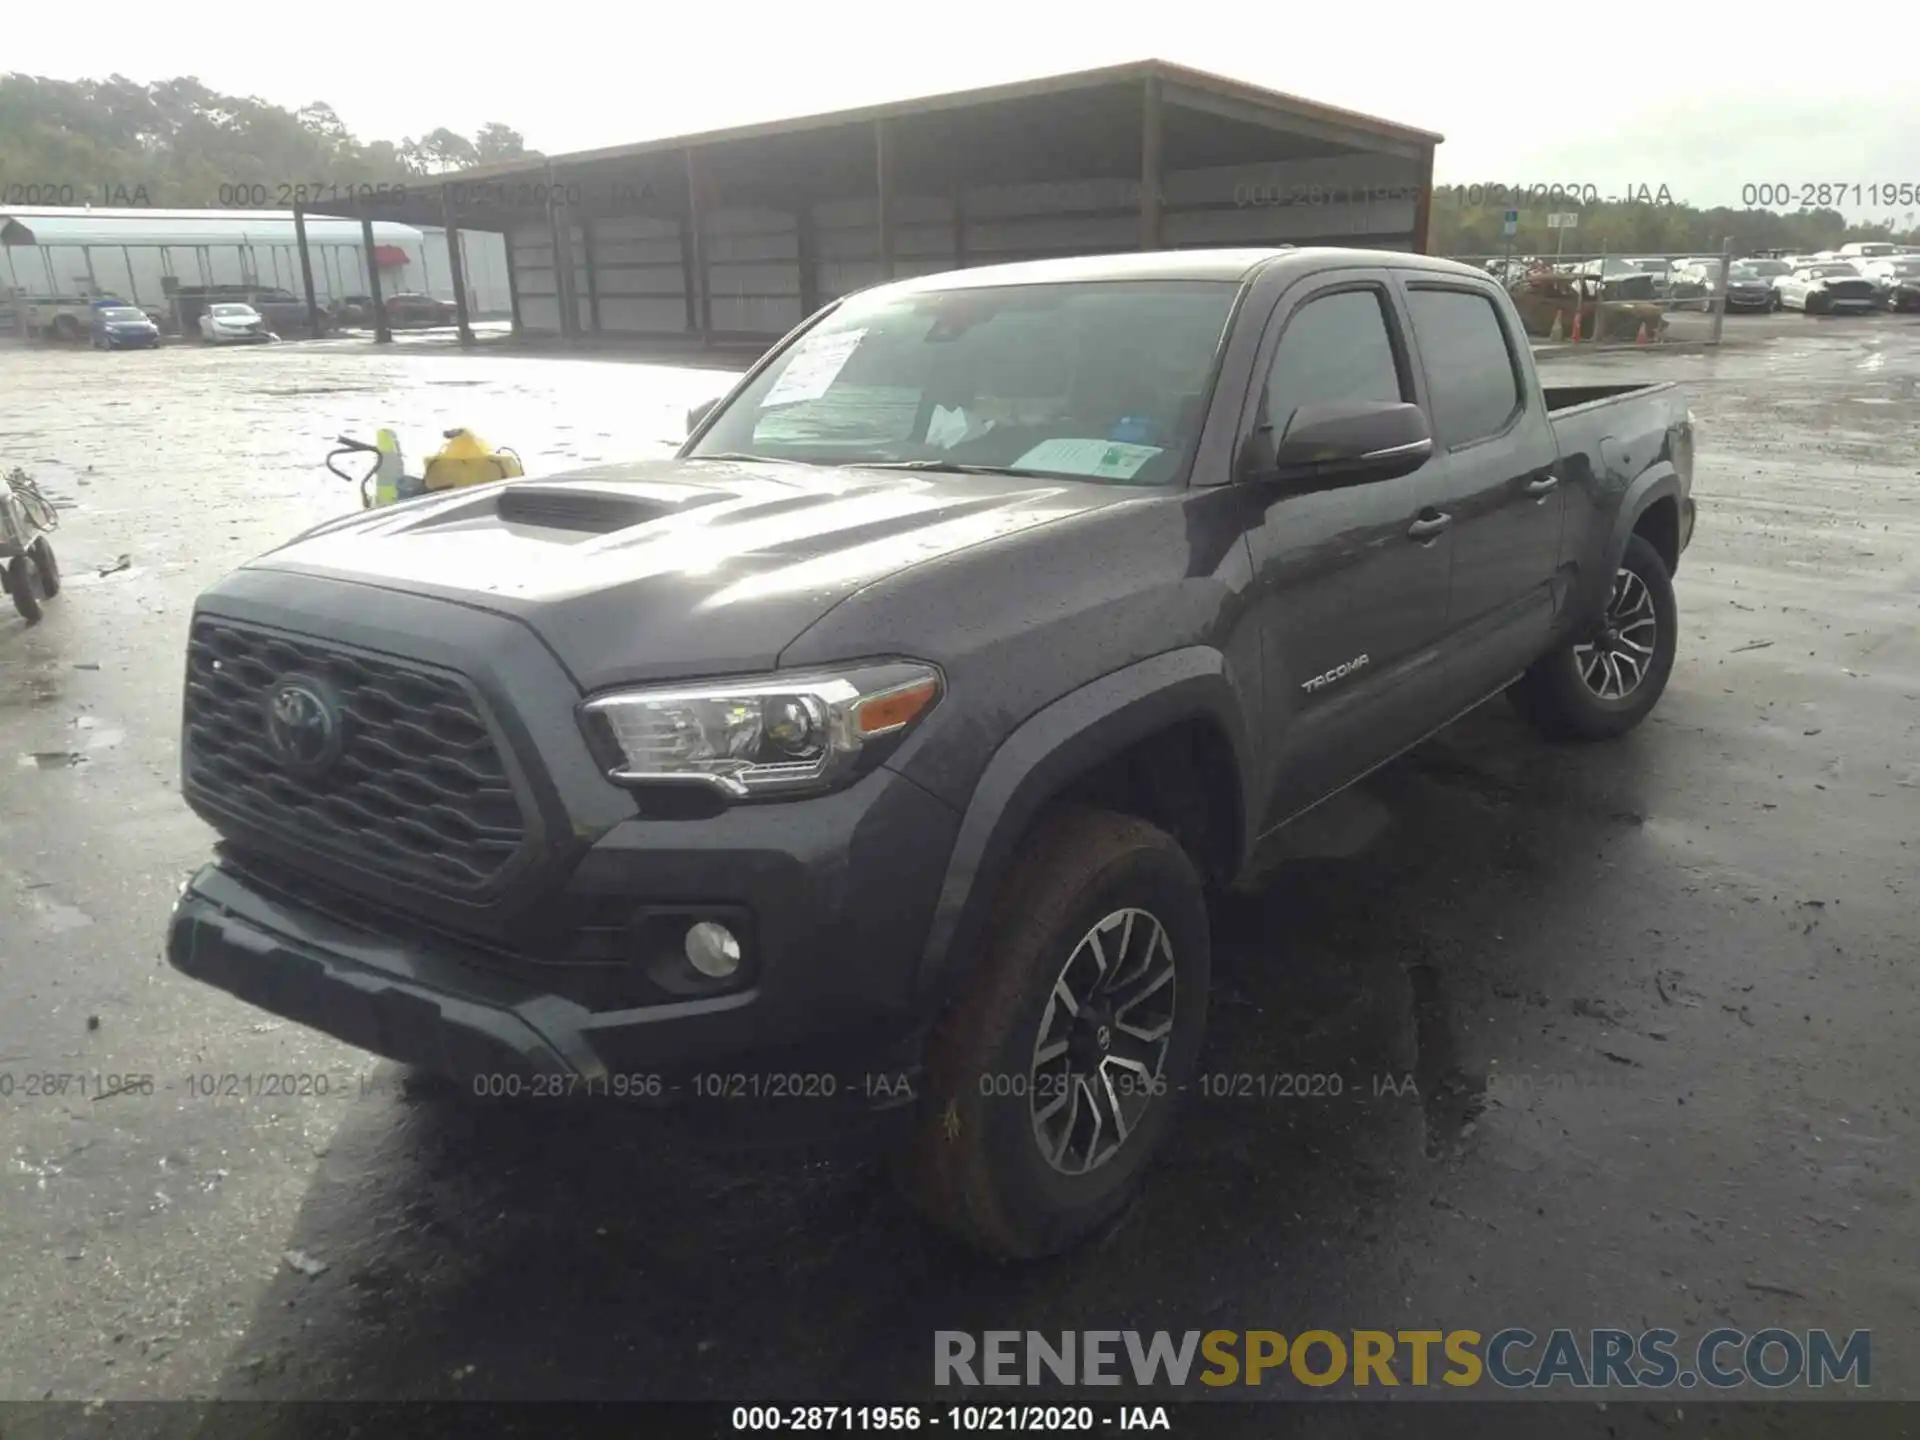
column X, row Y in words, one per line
column 1235, row 265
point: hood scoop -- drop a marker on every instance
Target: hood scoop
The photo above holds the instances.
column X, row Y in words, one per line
column 568, row 507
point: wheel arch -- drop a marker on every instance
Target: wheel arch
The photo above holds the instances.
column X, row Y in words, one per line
column 1164, row 739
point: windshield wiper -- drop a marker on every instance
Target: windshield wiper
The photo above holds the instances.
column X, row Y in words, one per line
column 740, row 455
column 951, row 467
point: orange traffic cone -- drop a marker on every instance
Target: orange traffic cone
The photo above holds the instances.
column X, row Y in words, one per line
column 1576, row 325
column 1641, row 338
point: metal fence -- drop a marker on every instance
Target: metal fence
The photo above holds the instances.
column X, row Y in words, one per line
column 1575, row 299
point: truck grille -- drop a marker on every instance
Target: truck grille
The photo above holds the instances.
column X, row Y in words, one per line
column 418, row 789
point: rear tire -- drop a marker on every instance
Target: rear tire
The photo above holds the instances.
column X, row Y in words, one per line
column 1013, row 1149
column 1602, row 687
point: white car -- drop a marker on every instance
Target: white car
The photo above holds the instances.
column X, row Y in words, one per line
column 1866, row 249
column 1827, row 287
column 230, row 324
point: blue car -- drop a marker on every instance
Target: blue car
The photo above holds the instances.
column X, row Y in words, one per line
column 123, row 327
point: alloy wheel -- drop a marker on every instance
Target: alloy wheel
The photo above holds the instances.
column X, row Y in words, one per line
column 1100, row 1058
column 1615, row 661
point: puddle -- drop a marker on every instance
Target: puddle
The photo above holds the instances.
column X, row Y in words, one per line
column 52, row 759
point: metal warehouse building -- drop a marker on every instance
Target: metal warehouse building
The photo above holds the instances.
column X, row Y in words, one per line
column 737, row 235
column 134, row 253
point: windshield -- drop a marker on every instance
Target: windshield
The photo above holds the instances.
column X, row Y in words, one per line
column 231, row 312
column 1902, row 267
column 1100, row 380
column 1764, row 268
column 1825, row 271
column 123, row 312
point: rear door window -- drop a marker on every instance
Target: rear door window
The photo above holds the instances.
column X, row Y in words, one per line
column 1473, row 379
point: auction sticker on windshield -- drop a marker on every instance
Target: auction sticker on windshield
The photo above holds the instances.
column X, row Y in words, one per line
column 813, row 367
column 1099, row 459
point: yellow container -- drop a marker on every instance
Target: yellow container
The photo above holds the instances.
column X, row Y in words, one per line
column 465, row 460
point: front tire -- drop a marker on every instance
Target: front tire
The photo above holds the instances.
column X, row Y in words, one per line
column 1052, row 1081
column 1604, row 685
column 48, row 567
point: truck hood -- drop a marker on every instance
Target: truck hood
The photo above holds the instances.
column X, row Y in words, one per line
column 670, row 568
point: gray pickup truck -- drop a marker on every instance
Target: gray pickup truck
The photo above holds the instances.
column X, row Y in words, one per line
column 899, row 725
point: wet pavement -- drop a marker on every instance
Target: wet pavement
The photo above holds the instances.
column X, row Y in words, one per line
column 1618, row 1035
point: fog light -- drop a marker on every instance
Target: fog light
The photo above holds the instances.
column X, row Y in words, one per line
column 712, row 949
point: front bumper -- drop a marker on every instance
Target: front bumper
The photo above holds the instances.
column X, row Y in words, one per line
column 831, row 896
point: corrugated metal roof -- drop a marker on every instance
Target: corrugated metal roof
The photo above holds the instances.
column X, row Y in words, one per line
column 1221, row 86
column 80, row 226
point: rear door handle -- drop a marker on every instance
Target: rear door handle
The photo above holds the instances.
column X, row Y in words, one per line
column 1427, row 528
column 1543, row 486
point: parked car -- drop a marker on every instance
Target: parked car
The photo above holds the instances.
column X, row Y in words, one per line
column 123, row 327
column 227, row 322
column 1089, row 574
column 1866, row 250
column 411, row 308
column 1750, row 284
column 284, row 312
column 353, row 310
column 1694, row 282
column 60, row 317
column 1895, row 279
column 1828, row 288
column 1621, row 279
column 1659, row 267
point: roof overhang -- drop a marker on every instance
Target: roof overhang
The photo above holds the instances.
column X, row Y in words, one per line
column 1079, row 126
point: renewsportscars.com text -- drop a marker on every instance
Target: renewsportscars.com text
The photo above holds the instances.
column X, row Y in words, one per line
column 1512, row 1358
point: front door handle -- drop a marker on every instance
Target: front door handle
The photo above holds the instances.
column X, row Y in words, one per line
column 1543, row 486
column 1426, row 528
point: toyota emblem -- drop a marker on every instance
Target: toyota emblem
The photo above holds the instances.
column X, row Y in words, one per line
column 1103, row 1037
column 303, row 726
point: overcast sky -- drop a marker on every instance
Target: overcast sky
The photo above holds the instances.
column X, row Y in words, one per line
column 1512, row 91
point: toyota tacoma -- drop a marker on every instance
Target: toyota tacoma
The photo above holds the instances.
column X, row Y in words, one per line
column 902, row 721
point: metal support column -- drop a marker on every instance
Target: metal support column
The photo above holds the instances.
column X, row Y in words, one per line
column 133, row 284
column 452, row 227
column 1423, row 208
column 807, row 248
column 959, row 227
column 593, row 281
column 382, row 332
column 1150, row 145
column 1720, row 288
column 696, row 248
column 560, row 227
column 883, row 196
column 306, row 269
column 513, row 280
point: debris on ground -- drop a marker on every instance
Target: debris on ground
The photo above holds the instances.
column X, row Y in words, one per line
column 305, row 1263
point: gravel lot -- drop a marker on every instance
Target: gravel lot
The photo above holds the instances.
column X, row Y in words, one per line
column 1657, row 996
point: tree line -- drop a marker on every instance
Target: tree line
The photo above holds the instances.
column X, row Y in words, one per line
column 1642, row 227
column 178, row 143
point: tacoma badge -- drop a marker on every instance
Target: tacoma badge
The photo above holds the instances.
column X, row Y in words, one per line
column 1339, row 672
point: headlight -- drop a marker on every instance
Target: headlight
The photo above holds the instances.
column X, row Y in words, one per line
column 777, row 734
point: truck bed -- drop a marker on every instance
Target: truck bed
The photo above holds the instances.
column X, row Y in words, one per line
column 1572, row 397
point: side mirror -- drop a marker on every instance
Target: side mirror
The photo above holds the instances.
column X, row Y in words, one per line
column 699, row 413
column 1333, row 444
